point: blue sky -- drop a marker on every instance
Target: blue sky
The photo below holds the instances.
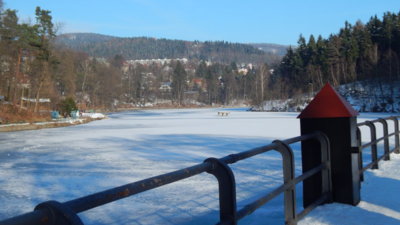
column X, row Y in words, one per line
column 246, row 21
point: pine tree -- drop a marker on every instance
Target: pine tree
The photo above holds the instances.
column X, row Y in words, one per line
column 179, row 83
column 46, row 33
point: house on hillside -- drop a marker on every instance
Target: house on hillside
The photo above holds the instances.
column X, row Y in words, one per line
column 165, row 87
column 198, row 84
column 243, row 71
column 165, row 90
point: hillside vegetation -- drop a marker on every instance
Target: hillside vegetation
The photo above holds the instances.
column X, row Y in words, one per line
column 365, row 96
column 97, row 45
column 357, row 52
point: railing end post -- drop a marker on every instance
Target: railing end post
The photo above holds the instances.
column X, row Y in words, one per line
column 227, row 190
column 60, row 213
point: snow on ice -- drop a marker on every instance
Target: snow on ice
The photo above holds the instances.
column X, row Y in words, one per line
column 70, row 162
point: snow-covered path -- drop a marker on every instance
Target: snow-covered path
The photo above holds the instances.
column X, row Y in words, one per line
column 65, row 163
column 380, row 201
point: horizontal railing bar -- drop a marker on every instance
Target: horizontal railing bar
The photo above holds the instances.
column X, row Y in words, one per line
column 368, row 166
column 110, row 195
column 379, row 159
column 377, row 140
column 373, row 142
column 300, row 138
column 367, row 145
column 233, row 158
column 312, row 206
column 250, row 208
column 362, row 124
column 376, row 120
column 310, row 173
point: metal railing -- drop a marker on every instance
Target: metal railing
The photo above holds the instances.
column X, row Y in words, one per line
column 56, row 213
column 374, row 142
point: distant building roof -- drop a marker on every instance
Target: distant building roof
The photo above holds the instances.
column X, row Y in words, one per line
column 41, row 100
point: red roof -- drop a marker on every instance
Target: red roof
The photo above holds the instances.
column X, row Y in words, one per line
column 328, row 104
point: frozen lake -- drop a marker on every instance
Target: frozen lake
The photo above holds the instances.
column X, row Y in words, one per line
column 70, row 162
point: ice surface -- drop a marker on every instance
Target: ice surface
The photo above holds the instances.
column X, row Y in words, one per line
column 70, row 162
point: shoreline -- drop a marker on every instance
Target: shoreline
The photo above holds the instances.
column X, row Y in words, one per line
column 72, row 122
column 43, row 125
column 178, row 107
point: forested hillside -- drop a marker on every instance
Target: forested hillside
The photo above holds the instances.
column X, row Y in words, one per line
column 151, row 48
column 357, row 52
column 271, row 48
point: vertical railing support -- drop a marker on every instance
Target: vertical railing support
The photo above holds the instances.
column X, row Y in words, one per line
column 288, row 176
column 326, row 173
column 374, row 148
column 385, row 140
column 360, row 158
column 396, row 136
column 227, row 190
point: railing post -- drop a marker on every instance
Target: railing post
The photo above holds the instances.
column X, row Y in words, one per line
column 288, row 176
column 386, row 139
column 374, row 148
column 60, row 214
column 330, row 114
column 326, row 173
column 227, row 190
column 396, row 134
column 360, row 157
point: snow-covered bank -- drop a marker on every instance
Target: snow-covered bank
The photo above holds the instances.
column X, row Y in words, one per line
column 70, row 162
column 379, row 205
column 372, row 96
column 62, row 122
column 287, row 105
column 364, row 96
column 93, row 115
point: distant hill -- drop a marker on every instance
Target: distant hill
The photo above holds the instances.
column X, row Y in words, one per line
column 271, row 48
column 98, row 45
column 78, row 39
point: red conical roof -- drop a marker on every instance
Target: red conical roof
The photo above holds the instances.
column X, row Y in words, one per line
column 328, row 104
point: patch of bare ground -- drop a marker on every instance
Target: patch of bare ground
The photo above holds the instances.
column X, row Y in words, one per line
column 14, row 119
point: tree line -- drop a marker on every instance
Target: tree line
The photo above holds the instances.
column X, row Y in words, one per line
column 358, row 52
